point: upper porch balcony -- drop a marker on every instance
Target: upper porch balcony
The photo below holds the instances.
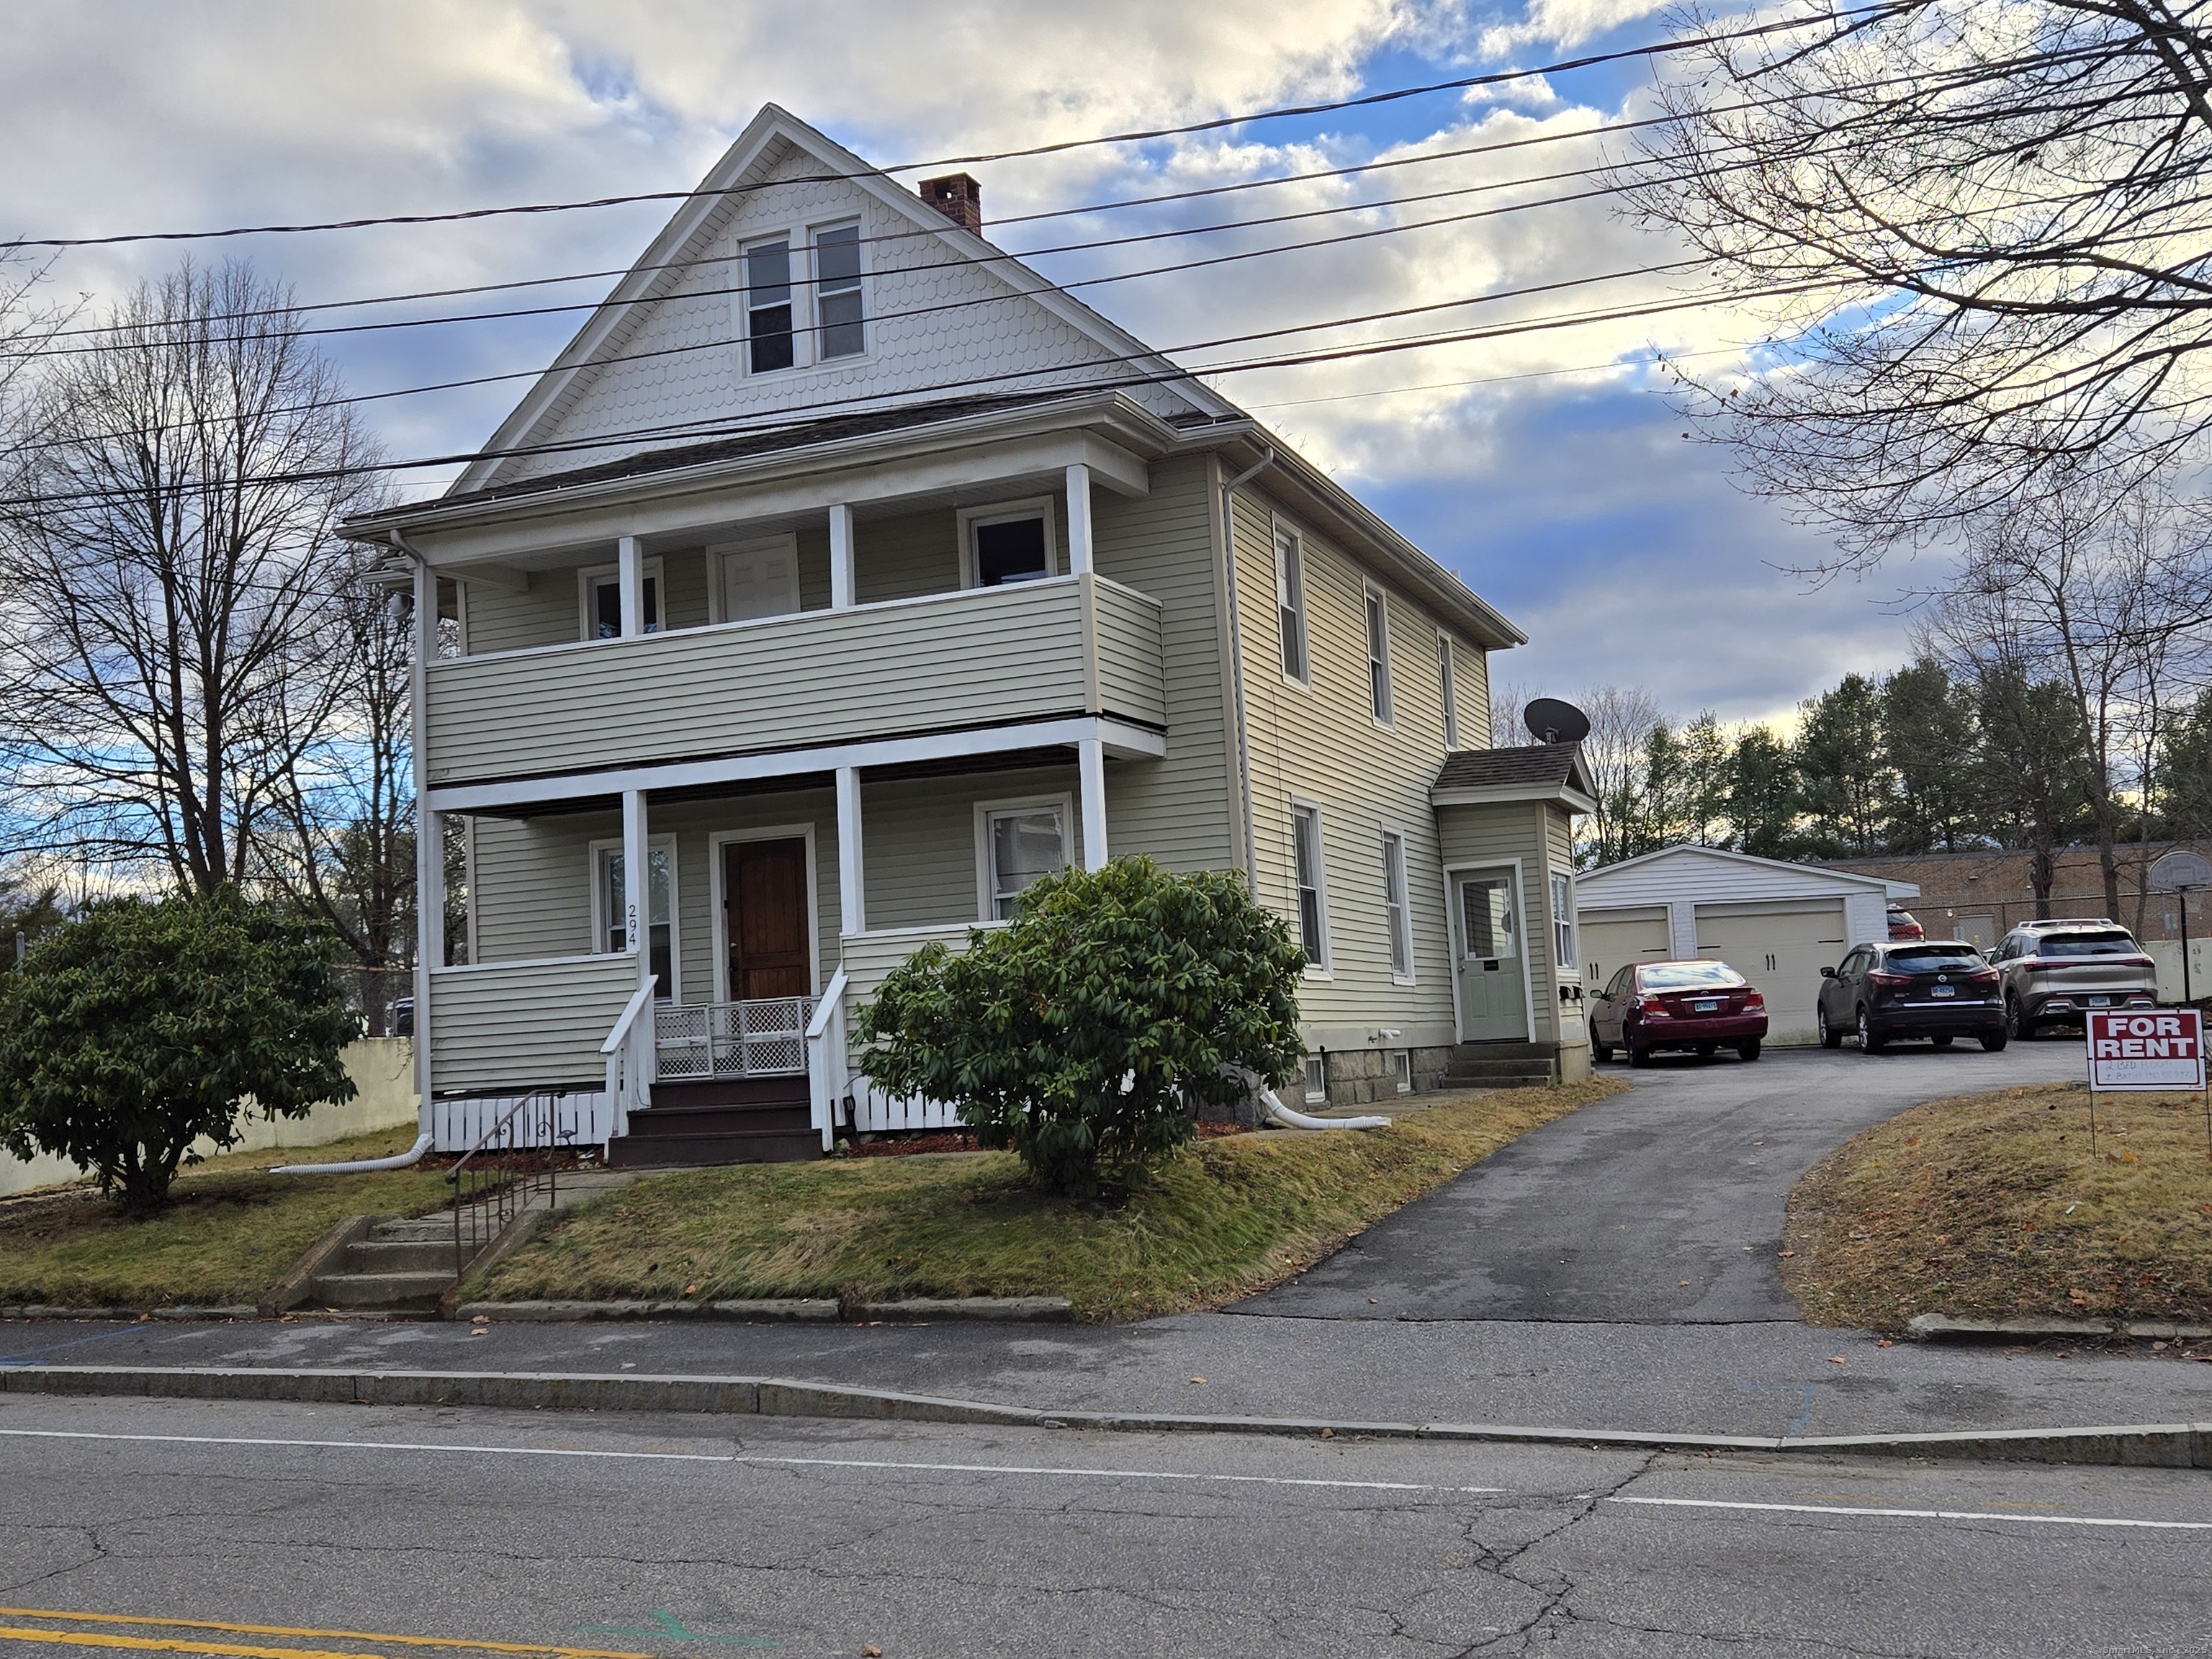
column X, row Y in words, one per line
column 747, row 625
column 1040, row 649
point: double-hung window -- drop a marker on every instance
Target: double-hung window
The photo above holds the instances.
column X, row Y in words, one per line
column 1007, row 544
column 1290, row 606
column 1378, row 659
column 613, row 910
column 603, row 601
column 1311, row 883
column 1393, row 905
column 837, row 304
column 769, row 333
column 1021, row 845
column 1450, row 688
column 1563, row 920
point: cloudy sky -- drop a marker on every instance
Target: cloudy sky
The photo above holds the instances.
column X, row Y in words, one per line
column 1548, row 468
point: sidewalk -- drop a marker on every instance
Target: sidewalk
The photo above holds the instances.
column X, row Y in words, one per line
column 1769, row 1378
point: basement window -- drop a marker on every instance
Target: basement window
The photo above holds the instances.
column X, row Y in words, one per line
column 1402, row 1068
column 1316, row 1080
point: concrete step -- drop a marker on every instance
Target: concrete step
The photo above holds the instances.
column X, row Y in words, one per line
column 402, row 1292
column 378, row 1256
column 774, row 1147
column 1501, row 1075
column 422, row 1229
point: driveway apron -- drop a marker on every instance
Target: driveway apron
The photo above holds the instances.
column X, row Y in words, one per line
column 1662, row 1206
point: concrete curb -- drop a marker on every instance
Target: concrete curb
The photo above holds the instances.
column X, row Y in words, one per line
column 2145, row 1445
column 1941, row 1327
column 539, row 1313
column 1014, row 1310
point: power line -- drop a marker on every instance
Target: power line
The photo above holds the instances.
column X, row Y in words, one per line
column 1499, row 77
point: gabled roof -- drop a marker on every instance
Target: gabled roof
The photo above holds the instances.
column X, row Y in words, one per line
column 771, row 136
column 1593, row 882
column 1541, row 771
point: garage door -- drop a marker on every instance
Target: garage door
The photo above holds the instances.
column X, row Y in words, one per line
column 1781, row 949
column 1610, row 937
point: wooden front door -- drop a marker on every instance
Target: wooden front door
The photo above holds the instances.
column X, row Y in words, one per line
column 766, row 917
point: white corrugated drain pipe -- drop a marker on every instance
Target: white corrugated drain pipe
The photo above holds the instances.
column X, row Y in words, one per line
column 360, row 1166
column 1282, row 1115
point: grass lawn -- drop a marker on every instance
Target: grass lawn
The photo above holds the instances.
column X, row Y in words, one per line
column 234, row 1231
column 1217, row 1220
column 1992, row 1205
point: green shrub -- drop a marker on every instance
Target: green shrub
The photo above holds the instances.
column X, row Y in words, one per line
column 144, row 1027
column 1087, row 1030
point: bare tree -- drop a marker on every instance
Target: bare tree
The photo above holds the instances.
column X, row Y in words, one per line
column 1507, row 699
column 1623, row 719
column 169, row 576
column 342, row 846
column 1978, row 233
column 2112, row 600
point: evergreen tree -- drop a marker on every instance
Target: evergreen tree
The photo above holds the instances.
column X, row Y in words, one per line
column 1850, row 787
column 1930, row 735
column 1763, row 796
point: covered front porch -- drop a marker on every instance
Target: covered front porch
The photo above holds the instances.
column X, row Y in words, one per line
column 684, row 960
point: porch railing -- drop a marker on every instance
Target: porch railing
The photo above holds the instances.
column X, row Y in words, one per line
column 761, row 1037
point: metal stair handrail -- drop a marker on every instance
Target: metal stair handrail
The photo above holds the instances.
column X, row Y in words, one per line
column 487, row 1197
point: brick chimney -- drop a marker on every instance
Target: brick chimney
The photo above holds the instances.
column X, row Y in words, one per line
column 958, row 198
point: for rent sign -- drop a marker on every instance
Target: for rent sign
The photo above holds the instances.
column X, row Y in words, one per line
column 2161, row 1050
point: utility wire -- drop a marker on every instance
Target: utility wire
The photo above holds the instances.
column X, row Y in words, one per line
column 1833, row 19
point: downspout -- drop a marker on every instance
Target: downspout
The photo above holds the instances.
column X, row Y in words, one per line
column 405, row 1160
column 1236, row 661
column 418, row 710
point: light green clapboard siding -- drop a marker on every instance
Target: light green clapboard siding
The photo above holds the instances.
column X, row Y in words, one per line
column 549, row 611
column 1322, row 745
column 1179, row 810
column 1497, row 834
column 525, row 1025
column 993, row 654
column 919, row 840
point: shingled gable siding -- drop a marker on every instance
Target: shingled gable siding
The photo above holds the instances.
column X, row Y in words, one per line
column 936, row 320
column 1323, row 746
column 1180, row 808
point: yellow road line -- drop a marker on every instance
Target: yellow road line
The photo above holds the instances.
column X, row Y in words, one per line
column 289, row 1630
column 85, row 1638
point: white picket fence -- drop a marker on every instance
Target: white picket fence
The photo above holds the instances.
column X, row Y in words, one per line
column 872, row 1111
column 580, row 1118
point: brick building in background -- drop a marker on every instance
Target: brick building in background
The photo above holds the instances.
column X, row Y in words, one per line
column 1982, row 895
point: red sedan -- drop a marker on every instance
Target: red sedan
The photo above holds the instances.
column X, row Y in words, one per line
column 1702, row 1007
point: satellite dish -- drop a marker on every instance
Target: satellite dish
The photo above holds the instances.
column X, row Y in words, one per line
column 1550, row 721
column 2180, row 872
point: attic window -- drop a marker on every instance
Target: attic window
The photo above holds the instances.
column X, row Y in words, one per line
column 837, row 291
column 768, row 305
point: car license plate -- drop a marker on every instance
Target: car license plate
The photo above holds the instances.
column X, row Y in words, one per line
column 1944, row 991
column 2101, row 1002
column 1704, row 1007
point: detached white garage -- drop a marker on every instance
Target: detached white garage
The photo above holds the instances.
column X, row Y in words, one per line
column 1776, row 924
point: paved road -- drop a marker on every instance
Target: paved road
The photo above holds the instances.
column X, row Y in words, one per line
column 334, row 1529
column 1663, row 1206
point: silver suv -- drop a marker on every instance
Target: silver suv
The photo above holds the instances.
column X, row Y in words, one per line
column 2059, row 970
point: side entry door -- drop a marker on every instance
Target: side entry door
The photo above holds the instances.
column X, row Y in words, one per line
column 1488, row 960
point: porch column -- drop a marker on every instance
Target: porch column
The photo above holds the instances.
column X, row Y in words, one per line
column 840, row 558
column 429, row 834
column 637, row 893
column 1090, row 766
column 1079, row 520
column 632, row 581
column 852, row 887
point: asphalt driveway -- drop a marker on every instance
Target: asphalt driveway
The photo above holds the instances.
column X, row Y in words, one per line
column 1660, row 1207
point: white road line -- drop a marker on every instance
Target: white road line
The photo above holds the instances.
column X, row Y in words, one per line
column 737, row 1457
column 1919, row 1515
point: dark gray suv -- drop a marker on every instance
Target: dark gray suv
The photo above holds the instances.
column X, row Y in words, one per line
column 2059, row 970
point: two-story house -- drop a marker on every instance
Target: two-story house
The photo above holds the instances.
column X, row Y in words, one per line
column 842, row 576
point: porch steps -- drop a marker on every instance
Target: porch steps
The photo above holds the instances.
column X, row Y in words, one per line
column 399, row 1267
column 1502, row 1066
column 765, row 1120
